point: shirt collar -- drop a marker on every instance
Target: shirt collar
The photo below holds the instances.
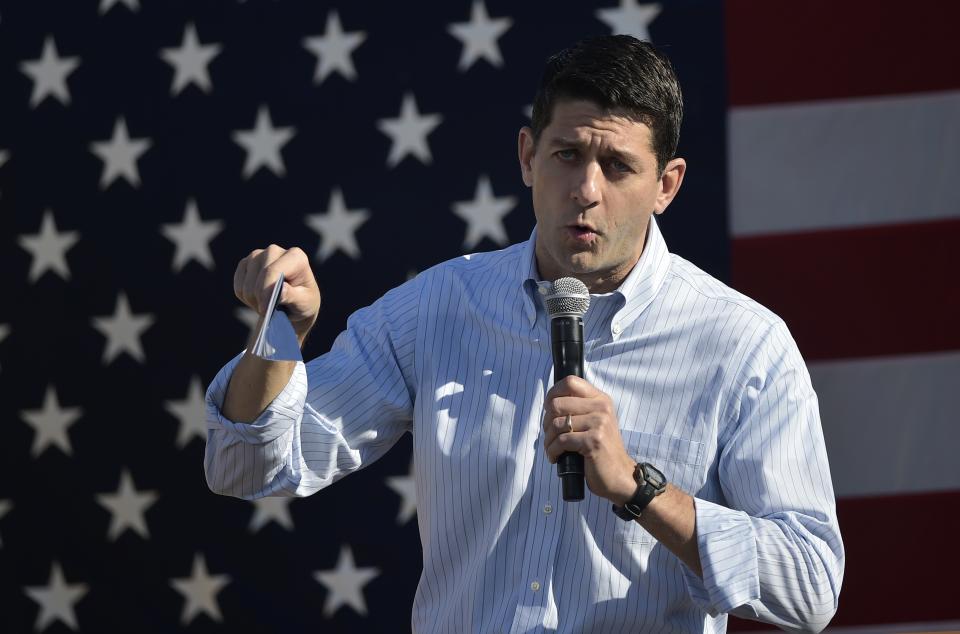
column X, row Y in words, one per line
column 636, row 292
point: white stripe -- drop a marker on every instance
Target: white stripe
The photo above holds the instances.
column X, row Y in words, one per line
column 848, row 163
column 891, row 424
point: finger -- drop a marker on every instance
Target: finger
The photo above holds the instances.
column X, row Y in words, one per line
column 299, row 285
column 563, row 405
column 259, row 277
column 571, row 423
column 296, row 268
column 572, row 386
column 562, row 443
column 563, row 425
column 249, row 268
column 238, row 276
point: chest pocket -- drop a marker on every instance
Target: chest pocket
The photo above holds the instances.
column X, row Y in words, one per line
column 680, row 460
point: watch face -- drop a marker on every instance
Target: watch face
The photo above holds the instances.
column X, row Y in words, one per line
column 654, row 476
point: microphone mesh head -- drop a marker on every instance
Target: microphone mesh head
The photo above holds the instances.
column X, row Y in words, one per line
column 567, row 296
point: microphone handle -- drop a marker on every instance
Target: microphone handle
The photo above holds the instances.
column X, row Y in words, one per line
column 566, row 336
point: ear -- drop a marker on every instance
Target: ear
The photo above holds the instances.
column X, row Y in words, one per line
column 525, row 151
column 670, row 182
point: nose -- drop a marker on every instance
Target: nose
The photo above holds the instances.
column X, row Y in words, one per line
column 586, row 187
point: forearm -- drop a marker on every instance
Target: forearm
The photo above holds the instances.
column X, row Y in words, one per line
column 671, row 518
column 784, row 568
column 792, row 563
column 798, row 571
column 255, row 384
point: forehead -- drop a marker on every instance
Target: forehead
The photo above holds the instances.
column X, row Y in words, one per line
column 588, row 122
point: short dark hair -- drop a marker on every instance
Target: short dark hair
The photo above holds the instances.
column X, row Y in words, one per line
column 616, row 72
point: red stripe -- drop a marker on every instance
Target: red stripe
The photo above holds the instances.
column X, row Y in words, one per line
column 902, row 560
column 870, row 291
column 824, row 49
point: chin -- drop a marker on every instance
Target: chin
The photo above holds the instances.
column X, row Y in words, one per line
column 580, row 265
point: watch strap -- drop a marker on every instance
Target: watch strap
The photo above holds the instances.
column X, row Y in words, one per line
column 648, row 487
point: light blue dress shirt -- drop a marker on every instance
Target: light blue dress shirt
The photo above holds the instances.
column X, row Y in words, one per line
column 707, row 384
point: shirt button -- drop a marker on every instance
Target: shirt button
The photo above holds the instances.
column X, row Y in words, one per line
column 535, row 586
column 617, row 329
column 547, row 508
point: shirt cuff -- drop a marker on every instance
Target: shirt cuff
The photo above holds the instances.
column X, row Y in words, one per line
column 728, row 556
column 279, row 416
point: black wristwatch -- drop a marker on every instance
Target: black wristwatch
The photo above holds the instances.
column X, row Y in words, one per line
column 650, row 483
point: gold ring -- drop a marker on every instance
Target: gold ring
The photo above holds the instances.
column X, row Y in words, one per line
column 569, row 422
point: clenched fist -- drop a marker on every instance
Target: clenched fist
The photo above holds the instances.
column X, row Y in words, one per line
column 257, row 273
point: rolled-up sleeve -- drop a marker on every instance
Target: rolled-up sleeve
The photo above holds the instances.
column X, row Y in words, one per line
column 772, row 551
column 337, row 413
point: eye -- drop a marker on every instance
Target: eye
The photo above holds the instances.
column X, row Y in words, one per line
column 620, row 166
column 566, row 154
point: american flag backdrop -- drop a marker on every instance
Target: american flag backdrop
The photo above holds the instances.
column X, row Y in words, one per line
column 148, row 145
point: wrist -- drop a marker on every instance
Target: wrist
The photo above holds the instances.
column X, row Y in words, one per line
column 302, row 329
column 650, row 483
column 626, row 485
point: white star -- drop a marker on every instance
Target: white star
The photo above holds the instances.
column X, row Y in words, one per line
column 4, row 331
column 127, row 506
column 50, row 423
column 247, row 316
column 200, row 590
column 263, row 144
column 630, row 18
column 192, row 412
column 123, row 331
column 345, row 583
column 5, row 507
column 4, row 155
column 406, row 488
column 48, row 248
column 484, row 215
column 275, row 509
column 479, row 36
column 120, row 155
column 333, row 50
column 105, row 5
column 190, row 61
column 49, row 74
column 409, row 132
column 192, row 238
column 56, row 599
column 337, row 227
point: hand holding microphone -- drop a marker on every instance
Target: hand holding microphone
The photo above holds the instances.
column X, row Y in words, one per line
column 579, row 419
column 566, row 303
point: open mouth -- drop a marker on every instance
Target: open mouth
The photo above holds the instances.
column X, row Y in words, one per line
column 582, row 232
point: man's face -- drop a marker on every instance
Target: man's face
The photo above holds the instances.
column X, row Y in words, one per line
column 595, row 184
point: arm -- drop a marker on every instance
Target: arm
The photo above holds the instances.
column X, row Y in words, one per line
column 670, row 517
column 256, row 382
column 335, row 414
column 773, row 552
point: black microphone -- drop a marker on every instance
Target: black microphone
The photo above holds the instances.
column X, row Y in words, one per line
column 566, row 301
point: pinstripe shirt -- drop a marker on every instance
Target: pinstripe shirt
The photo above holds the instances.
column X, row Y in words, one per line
column 707, row 384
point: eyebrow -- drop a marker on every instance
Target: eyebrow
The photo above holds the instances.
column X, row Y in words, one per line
column 626, row 156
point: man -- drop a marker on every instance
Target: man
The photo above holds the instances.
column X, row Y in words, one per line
column 686, row 382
